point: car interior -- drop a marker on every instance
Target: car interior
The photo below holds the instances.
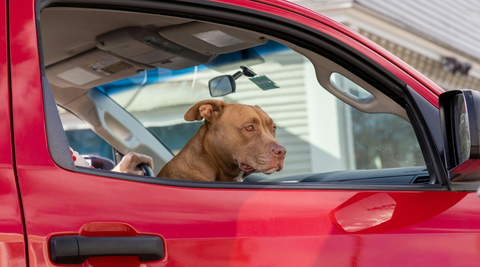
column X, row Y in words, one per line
column 122, row 81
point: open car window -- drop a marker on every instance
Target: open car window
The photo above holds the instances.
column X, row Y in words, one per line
column 82, row 138
column 135, row 102
column 320, row 132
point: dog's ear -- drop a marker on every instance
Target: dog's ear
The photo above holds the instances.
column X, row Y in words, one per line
column 207, row 109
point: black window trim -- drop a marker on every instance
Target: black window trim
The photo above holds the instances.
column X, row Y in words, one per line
column 282, row 28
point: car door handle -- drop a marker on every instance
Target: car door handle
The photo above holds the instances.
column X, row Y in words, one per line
column 75, row 249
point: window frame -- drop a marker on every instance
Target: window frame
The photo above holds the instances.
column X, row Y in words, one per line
column 296, row 33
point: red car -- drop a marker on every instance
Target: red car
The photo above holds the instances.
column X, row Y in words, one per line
column 381, row 164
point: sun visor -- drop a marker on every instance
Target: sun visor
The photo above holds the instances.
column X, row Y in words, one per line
column 209, row 39
column 145, row 46
column 92, row 68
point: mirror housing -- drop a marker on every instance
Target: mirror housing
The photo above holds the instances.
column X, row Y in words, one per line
column 460, row 122
column 222, row 85
column 225, row 84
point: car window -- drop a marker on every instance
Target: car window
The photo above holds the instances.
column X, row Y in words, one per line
column 334, row 126
column 82, row 139
column 320, row 132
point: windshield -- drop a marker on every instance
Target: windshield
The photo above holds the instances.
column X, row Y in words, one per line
column 320, row 132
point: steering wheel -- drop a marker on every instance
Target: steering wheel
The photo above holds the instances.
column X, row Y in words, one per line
column 147, row 171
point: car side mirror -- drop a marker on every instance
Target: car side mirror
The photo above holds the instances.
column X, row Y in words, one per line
column 461, row 133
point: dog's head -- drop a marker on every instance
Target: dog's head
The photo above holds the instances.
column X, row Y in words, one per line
column 242, row 136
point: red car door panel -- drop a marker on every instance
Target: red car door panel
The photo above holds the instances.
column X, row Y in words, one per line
column 215, row 226
column 212, row 228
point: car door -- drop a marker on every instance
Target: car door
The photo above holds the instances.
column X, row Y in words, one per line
column 12, row 237
column 222, row 224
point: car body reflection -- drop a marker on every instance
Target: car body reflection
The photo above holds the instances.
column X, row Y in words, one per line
column 366, row 213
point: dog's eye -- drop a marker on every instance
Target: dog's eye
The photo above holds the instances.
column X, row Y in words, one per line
column 249, row 128
column 274, row 129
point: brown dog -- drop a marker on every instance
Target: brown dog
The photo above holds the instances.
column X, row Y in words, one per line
column 234, row 141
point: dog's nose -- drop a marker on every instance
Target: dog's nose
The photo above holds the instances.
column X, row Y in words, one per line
column 279, row 151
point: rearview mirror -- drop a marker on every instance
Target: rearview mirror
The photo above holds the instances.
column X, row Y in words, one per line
column 225, row 84
column 221, row 85
column 461, row 132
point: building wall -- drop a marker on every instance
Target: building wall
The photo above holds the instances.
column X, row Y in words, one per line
column 422, row 52
column 431, row 68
